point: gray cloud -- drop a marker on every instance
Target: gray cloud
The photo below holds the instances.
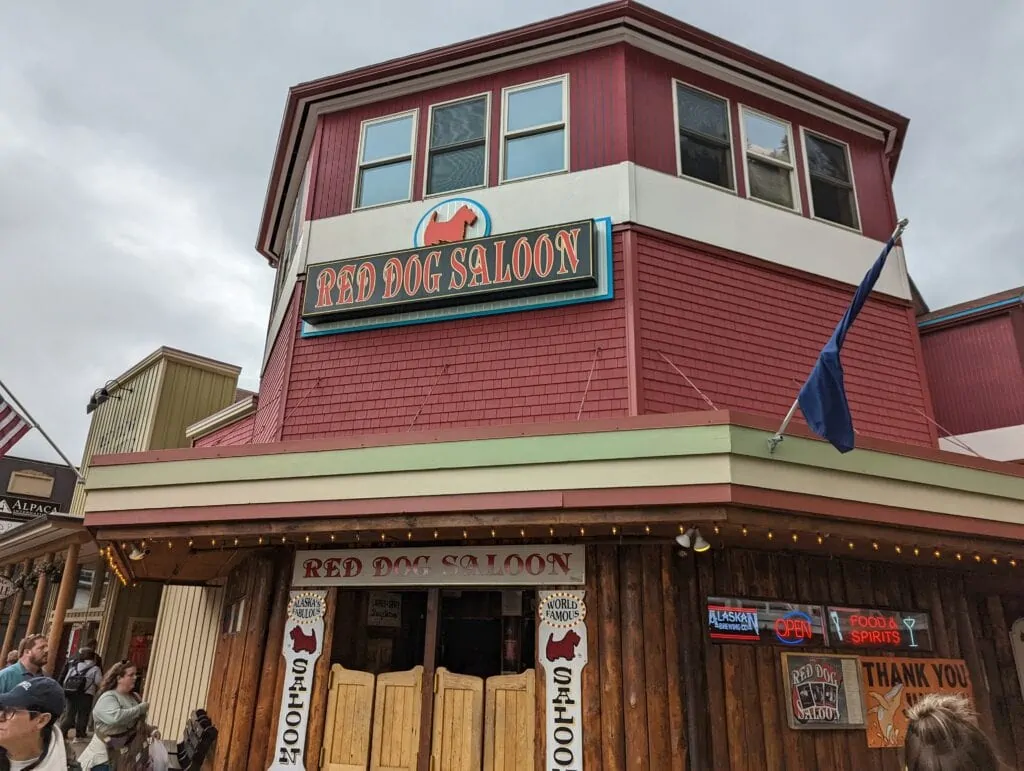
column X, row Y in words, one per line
column 136, row 139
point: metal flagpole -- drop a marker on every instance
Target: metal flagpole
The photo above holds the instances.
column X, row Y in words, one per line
column 35, row 425
column 776, row 440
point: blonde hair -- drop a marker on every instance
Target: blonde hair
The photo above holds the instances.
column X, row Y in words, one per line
column 943, row 735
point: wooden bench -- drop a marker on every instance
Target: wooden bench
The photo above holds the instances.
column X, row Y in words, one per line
column 200, row 734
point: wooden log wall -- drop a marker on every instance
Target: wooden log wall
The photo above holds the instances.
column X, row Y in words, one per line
column 633, row 700
column 745, row 726
column 237, row 667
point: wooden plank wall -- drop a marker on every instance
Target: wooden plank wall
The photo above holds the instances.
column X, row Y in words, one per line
column 184, row 645
column 996, row 615
column 632, row 695
column 238, row 663
column 746, row 716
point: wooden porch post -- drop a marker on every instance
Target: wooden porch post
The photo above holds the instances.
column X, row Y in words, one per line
column 429, row 668
column 68, row 583
column 35, row 616
column 12, row 623
column 99, row 573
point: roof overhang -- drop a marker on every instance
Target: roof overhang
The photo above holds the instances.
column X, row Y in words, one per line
column 623, row 21
column 44, row 535
column 652, row 471
column 225, row 417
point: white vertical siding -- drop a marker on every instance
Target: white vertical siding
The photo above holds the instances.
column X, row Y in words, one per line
column 183, row 650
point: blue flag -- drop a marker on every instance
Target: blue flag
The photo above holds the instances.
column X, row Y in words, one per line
column 823, row 397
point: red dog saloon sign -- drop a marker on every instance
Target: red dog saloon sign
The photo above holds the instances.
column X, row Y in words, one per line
column 303, row 645
column 527, row 565
column 449, row 271
column 562, row 641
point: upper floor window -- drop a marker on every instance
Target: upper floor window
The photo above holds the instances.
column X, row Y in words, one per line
column 705, row 137
column 457, row 153
column 534, row 135
column 385, row 160
column 768, row 150
column 831, row 181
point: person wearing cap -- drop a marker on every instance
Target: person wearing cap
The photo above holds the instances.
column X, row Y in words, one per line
column 29, row 737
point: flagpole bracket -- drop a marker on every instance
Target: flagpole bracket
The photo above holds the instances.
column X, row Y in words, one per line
column 774, row 442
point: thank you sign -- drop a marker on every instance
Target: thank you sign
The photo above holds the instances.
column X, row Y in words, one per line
column 303, row 645
column 562, row 642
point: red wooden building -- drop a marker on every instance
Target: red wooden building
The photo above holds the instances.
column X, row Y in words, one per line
column 974, row 358
column 505, row 498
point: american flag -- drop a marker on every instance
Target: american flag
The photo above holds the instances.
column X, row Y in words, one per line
column 12, row 426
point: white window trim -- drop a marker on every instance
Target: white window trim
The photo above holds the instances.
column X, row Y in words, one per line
column 487, row 144
column 797, row 207
column 505, row 92
column 807, row 179
column 732, row 147
column 383, row 161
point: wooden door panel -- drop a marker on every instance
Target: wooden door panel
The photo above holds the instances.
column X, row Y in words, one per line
column 458, row 722
column 349, row 719
column 509, row 728
column 396, row 721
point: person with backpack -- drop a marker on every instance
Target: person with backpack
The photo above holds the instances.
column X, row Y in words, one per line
column 81, row 681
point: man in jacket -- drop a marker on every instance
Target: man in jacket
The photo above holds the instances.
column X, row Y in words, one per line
column 81, row 681
column 34, row 652
column 29, row 737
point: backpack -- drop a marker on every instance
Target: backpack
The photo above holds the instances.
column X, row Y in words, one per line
column 75, row 682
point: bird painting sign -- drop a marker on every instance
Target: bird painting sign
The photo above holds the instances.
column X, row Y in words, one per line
column 893, row 685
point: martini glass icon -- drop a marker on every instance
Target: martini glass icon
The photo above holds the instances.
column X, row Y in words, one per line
column 908, row 622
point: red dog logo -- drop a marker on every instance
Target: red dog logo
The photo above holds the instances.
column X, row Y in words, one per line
column 303, row 642
column 564, row 648
column 451, row 231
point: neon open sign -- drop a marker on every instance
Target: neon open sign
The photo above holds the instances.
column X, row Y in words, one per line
column 764, row 621
column 879, row 628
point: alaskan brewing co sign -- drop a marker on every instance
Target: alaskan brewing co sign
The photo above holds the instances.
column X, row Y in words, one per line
column 527, row 565
column 450, row 269
column 303, row 645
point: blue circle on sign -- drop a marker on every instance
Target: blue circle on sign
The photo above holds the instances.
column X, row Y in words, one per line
column 794, row 614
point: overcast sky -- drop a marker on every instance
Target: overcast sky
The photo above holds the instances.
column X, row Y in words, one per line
column 136, row 140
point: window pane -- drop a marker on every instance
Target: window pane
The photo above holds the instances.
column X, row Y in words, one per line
column 767, row 137
column 833, row 203
column 705, row 161
column 457, row 123
column 535, row 154
column 456, row 169
column 770, row 183
column 827, row 159
column 384, row 184
column 702, row 113
column 387, row 139
column 535, row 106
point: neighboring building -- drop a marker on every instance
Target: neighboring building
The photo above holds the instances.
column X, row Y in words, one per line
column 974, row 357
column 446, row 527
column 148, row 407
column 32, row 488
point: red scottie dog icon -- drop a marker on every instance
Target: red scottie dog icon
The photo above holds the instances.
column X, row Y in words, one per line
column 564, row 648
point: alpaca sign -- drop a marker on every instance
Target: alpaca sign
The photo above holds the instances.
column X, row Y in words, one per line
column 562, row 643
column 451, row 267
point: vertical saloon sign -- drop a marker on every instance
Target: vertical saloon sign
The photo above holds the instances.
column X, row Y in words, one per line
column 303, row 645
column 521, row 264
column 562, row 647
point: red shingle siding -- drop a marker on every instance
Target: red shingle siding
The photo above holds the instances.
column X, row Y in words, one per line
column 747, row 336
column 596, row 86
column 239, row 432
column 524, row 367
column 273, row 382
column 976, row 375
